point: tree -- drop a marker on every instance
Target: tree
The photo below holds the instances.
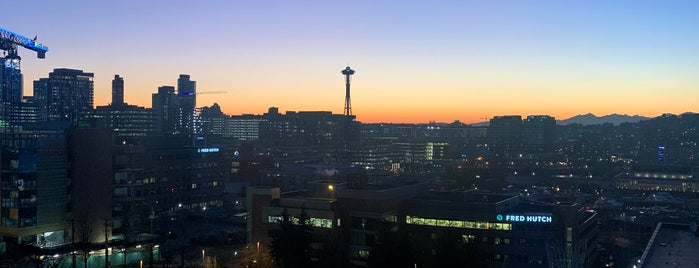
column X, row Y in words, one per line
column 291, row 245
column 334, row 252
column 451, row 250
column 392, row 248
column 407, row 246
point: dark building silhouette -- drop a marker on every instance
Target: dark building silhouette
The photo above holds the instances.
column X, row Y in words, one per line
column 187, row 95
column 505, row 135
column 122, row 118
column 166, row 110
column 319, row 129
column 65, row 96
column 539, row 134
column 175, row 111
column 507, row 231
column 213, row 120
column 117, row 90
column 126, row 120
column 91, row 179
column 164, row 173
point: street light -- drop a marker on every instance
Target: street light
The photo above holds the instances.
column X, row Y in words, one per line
column 123, row 253
column 331, row 188
column 203, row 257
column 258, row 253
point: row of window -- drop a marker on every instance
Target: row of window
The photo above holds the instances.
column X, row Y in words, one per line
column 458, row 223
column 315, row 222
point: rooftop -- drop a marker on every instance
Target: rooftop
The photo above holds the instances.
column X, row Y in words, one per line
column 672, row 245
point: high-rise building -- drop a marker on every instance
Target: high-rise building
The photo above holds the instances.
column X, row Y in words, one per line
column 65, row 96
column 166, row 109
column 186, row 92
column 505, row 134
column 117, row 90
column 10, row 90
column 539, row 134
column 122, row 118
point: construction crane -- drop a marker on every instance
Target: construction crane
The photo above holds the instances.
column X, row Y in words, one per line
column 211, row 92
column 203, row 92
column 10, row 40
column 11, row 77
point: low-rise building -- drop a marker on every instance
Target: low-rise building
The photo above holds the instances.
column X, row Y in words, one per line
column 511, row 232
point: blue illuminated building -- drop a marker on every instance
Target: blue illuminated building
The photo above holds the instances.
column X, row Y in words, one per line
column 10, row 90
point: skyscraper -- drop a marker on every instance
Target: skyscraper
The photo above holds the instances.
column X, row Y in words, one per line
column 539, row 134
column 65, row 96
column 10, row 90
column 117, row 90
column 505, row 134
column 166, row 109
column 186, row 93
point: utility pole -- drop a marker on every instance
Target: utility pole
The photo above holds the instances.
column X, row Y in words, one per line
column 72, row 239
column 106, row 243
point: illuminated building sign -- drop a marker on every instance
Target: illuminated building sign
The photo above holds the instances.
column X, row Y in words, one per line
column 207, row 150
column 661, row 153
column 525, row 218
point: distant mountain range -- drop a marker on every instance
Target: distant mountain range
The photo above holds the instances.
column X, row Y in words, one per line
column 591, row 119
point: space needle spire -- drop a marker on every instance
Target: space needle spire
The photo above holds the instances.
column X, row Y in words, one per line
column 348, row 72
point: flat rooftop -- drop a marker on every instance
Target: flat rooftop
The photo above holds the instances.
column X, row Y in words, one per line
column 672, row 245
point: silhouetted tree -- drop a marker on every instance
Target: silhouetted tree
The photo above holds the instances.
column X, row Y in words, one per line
column 407, row 246
column 334, row 252
column 392, row 248
column 450, row 250
column 291, row 245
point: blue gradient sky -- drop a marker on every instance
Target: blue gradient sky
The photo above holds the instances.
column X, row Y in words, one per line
column 416, row 61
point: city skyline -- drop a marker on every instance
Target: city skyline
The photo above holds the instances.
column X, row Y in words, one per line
column 415, row 62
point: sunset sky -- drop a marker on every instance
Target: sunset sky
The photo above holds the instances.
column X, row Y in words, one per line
column 415, row 61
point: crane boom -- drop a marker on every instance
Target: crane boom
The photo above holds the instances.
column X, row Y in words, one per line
column 10, row 40
column 212, row 92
